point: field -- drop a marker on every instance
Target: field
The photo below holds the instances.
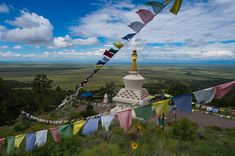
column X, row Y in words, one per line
column 67, row 76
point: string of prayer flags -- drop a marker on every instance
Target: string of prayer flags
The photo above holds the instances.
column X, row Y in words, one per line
column 108, row 54
column 144, row 112
column 176, row 6
column 114, row 51
column 55, row 134
column 157, row 6
column 65, row 131
column 10, row 145
column 145, row 15
column 2, row 141
column 30, row 141
column 136, row 26
column 223, row 89
column 106, row 121
column 91, row 126
column 205, row 95
column 161, row 106
column 183, row 102
column 129, row 36
column 118, row 44
column 125, row 119
column 41, row 138
column 18, row 140
column 77, row 126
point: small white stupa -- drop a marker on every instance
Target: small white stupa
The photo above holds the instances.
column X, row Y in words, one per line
column 133, row 93
column 106, row 99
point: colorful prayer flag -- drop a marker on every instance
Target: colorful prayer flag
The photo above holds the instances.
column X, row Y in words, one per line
column 125, row 119
column 161, row 106
column 144, row 112
column 176, row 6
column 145, row 15
column 108, row 54
column 136, row 26
column 77, row 126
column 2, row 140
column 10, row 145
column 114, row 51
column 55, row 134
column 106, row 121
column 157, row 6
column 65, row 130
column 118, row 44
column 167, row 1
column 41, row 138
column 205, row 95
column 105, row 59
column 91, row 126
column 18, row 140
column 183, row 102
column 100, row 62
column 223, row 89
column 129, row 36
column 30, row 141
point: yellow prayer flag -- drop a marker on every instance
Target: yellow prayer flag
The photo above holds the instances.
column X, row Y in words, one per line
column 18, row 140
column 118, row 44
column 176, row 7
column 167, row 1
column 77, row 126
column 161, row 106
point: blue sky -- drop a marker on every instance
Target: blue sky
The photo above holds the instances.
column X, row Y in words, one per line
column 80, row 31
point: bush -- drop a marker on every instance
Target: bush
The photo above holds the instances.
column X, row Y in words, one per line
column 21, row 126
column 184, row 130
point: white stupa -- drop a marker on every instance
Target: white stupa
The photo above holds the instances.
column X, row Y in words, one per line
column 133, row 93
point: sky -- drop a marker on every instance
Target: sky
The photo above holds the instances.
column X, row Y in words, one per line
column 81, row 30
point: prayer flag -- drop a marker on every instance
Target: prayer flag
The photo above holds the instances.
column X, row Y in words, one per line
column 41, row 138
column 91, row 126
column 223, row 89
column 77, row 126
column 183, row 102
column 145, row 15
column 125, row 119
column 106, row 121
column 30, row 141
column 118, row 44
column 205, row 95
column 136, row 26
column 167, row 1
column 144, row 112
column 108, row 54
column 161, row 106
column 157, row 6
column 129, row 36
column 18, row 140
column 55, row 134
column 100, row 62
column 98, row 67
column 2, row 140
column 111, row 50
column 105, row 59
column 10, row 145
column 65, row 130
column 176, row 6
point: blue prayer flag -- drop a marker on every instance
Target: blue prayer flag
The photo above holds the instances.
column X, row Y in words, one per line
column 128, row 36
column 90, row 126
column 30, row 141
column 183, row 102
column 100, row 62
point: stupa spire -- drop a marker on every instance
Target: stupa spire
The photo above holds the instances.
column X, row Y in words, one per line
column 133, row 63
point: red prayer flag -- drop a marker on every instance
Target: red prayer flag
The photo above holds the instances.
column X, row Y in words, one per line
column 125, row 119
column 107, row 53
column 2, row 140
column 145, row 15
column 55, row 134
column 223, row 89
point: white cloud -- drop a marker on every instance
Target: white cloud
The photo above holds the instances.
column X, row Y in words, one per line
column 3, row 47
column 4, row 8
column 18, row 47
column 29, row 28
column 68, row 41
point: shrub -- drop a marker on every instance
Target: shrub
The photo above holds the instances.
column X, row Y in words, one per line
column 184, row 130
column 21, row 126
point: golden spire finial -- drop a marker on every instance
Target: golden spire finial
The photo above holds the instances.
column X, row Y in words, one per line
column 134, row 64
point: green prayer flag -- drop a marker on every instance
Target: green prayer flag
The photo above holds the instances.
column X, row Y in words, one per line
column 10, row 145
column 144, row 112
column 65, row 130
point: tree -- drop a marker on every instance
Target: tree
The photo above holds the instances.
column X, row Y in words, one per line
column 178, row 88
column 41, row 84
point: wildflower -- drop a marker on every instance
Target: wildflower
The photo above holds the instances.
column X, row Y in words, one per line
column 134, row 145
